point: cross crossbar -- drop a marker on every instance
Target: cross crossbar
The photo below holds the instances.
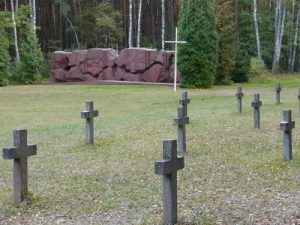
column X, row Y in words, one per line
column 19, row 152
column 256, row 104
column 178, row 42
column 182, row 121
column 278, row 87
column 164, row 167
column 88, row 114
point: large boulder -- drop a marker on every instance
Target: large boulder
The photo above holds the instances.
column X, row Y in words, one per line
column 154, row 73
column 60, row 59
column 75, row 74
column 172, row 74
column 136, row 60
column 107, row 74
column 77, row 57
column 119, row 73
column 165, row 58
column 97, row 59
column 58, row 75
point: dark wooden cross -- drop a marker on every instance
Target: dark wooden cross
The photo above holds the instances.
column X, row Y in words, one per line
column 239, row 96
column 286, row 126
column 278, row 90
column 181, row 121
column 19, row 153
column 168, row 167
column 184, row 101
column 89, row 115
column 256, row 104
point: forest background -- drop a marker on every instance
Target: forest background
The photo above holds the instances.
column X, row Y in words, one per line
column 251, row 36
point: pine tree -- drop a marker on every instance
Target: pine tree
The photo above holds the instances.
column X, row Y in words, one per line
column 225, row 29
column 4, row 53
column 198, row 58
column 31, row 59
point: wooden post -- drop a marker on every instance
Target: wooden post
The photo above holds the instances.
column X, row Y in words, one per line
column 278, row 90
column 19, row 153
column 181, row 121
column 239, row 96
column 286, row 126
column 168, row 167
column 89, row 115
column 256, row 106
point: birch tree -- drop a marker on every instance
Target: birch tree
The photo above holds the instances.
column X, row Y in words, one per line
column 259, row 55
column 130, row 25
column 139, row 24
column 163, row 18
column 294, row 47
column 279, row 31
column 13, row 17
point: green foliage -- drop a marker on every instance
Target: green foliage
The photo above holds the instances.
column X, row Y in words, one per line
column 23, row 22
column 31, row 59
column 241, row 66
column 197, row 59
column 4, row 46
column 225, row 29
column 256, row 68
column 100, row 24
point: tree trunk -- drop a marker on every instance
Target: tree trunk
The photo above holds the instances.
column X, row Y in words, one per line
column 152, row 23
column 17, row 6
column 130, row 25
column 293, row 55
column 139, row 24
column 257, row 34
column 34, row 16
column 279, row 31
column 163, row 19
column 15, row 29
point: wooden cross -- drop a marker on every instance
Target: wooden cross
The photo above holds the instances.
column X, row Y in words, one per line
column 184, row 101
column 181, row 121
column 19, row 153
column 286, row 126
column 256, row 104
column 168, row 168
column 176, row 42
column 89, row 115
column 278, row 90
column 239, row 96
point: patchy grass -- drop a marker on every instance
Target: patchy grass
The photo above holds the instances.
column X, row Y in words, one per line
column 234, row 174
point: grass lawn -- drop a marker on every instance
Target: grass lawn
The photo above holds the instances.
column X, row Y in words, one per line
column 234, row 174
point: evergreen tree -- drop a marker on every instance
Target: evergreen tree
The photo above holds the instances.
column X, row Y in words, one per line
column 4, row 46
column 245, row 43
column 31, row 59
column 225, row 29
column 198, row 58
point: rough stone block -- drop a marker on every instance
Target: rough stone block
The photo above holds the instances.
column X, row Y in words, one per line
column 60, row 59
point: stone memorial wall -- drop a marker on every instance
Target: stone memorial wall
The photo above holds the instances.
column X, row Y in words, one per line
column 96, row 64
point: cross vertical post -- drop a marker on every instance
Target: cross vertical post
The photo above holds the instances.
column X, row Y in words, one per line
column 278, row 90
column 181, row 121
column 256, row 104
column 19, row 153
column 239, row 96
column 184, row 101
column 286, row 126
column 176, row 55
column 168, row 167
column 89, row 115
